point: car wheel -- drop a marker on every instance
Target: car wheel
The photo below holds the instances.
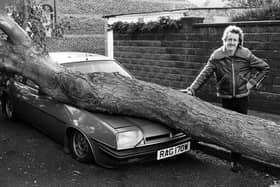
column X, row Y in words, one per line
column 80, row 147
column 8, row 109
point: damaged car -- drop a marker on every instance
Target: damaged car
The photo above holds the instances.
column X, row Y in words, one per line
column 109, row 140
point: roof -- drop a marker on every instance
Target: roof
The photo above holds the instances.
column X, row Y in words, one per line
column 68, row 57
column 168, row 11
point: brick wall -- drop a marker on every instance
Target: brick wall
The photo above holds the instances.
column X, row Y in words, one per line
column 174, row 58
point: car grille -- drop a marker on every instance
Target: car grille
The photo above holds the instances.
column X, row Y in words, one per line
column 162, row 138
column 152, row 138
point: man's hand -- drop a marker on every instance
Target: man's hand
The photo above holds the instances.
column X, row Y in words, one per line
column 187, row 91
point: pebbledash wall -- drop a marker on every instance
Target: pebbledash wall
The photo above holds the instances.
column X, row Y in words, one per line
column 174, row 58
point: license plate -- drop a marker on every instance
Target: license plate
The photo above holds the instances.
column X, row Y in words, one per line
column 172, row 151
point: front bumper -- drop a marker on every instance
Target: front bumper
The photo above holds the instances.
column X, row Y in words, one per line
column 109, row 157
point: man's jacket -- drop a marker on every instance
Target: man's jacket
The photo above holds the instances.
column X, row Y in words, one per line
column 232, row 72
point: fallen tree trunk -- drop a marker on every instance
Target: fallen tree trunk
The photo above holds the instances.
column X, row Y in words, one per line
column 113, row 93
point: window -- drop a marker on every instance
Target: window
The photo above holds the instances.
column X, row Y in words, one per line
column 25, row 81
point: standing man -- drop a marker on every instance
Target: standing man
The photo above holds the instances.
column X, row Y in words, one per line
column 237, row 70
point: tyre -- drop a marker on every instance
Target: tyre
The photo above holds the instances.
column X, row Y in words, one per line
column 80, row 147
column 8, row 109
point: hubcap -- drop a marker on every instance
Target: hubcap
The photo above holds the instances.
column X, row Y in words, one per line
column 80, row 145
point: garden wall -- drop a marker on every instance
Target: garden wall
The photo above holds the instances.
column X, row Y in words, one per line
column 174, row 58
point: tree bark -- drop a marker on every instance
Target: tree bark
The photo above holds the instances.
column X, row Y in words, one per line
column 113, row 93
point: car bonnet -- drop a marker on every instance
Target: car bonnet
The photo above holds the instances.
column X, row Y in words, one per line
column 116, row 122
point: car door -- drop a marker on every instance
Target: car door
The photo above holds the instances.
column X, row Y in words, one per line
column 53, row 119
column 40, row 110
column 22, row 97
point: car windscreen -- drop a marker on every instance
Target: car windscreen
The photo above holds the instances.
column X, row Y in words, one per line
column 108, row 66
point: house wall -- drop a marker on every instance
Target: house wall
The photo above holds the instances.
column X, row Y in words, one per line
column 174, row 58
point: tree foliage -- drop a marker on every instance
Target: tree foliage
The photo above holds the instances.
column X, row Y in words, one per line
column 164, row 23
column 30, row 18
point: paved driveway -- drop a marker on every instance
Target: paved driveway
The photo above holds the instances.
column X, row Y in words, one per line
column 29, row 158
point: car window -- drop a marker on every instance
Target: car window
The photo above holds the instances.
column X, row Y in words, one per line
column 19, row 78
column 31, row 84
column 108, row 66
column 25, row 81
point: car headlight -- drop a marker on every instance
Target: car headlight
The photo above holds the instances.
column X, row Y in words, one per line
column 129, row 139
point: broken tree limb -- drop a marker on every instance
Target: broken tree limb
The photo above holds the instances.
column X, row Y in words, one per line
column 113, row 93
